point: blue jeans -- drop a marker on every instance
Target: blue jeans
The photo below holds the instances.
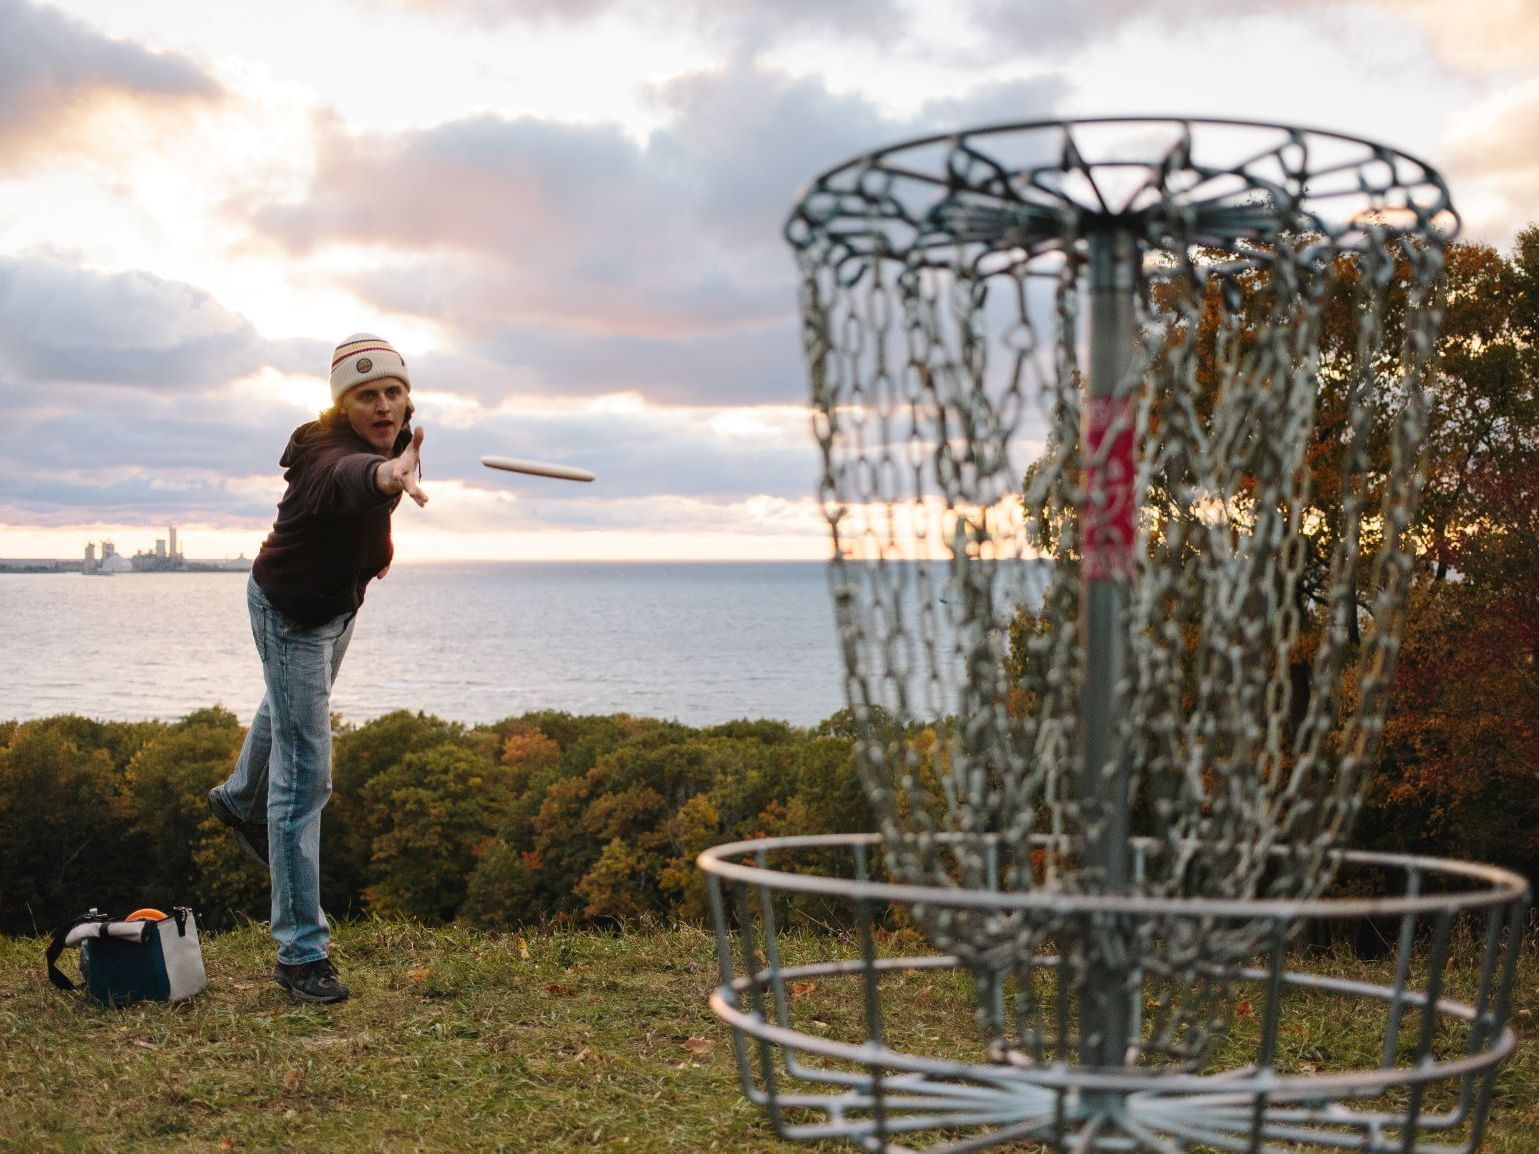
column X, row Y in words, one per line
column 283, row 774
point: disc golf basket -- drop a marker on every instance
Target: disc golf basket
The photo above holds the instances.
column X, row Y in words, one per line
column 1120, row 424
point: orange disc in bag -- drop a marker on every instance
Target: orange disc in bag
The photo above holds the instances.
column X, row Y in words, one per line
column 146, row 915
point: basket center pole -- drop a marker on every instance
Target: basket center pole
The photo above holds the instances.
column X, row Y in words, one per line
column 1107, row 524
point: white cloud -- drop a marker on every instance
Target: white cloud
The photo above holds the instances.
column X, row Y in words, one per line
column 1496, row 154
column 748, row 21
column 55, row 72
column 575, row 260
column 62, row 325
column 1494, row 36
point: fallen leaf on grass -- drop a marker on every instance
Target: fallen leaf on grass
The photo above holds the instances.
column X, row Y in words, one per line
column 802, row 989
column 556, row 991
column 291, row 1077
column 699, row 1045
column 419, row 974
column 324, row 1043
column 226, row 1143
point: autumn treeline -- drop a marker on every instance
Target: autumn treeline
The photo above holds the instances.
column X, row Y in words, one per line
column 551, row 816
column 1459, row 770
column 1461, row 759
column 540, row 817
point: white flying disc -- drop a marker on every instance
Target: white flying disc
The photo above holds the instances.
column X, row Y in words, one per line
column 537, row 468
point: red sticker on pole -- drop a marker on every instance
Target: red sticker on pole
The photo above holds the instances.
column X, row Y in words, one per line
column 1106, row 516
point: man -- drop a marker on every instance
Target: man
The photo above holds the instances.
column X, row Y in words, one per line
column 345, row 473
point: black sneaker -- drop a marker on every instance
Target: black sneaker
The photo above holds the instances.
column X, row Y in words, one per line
column 250, row 835
column 311, row 981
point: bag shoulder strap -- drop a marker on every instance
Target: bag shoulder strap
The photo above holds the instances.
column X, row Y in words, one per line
column 56, row 947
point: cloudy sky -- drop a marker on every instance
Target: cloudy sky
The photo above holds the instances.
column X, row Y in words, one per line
column 567, row 215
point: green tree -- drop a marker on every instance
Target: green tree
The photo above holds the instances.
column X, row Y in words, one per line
column 435, row 812
column 507, row 888
column 164, row 786
column 695, row 827
column 619, row 884
column 64, row 825
column 561, row 852
column 508, row 885
column 1485, row 406
column 359, row 755
column 829, row 797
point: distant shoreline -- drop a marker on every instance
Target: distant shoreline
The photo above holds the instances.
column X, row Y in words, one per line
column 29, row 567
column 45, row 565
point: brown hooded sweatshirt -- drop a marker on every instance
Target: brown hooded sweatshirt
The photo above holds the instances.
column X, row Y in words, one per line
column 332, row 534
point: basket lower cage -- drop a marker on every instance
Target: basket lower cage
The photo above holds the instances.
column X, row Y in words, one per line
column 847, row 1023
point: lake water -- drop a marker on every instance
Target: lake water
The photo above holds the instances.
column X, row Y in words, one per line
column 475, row 642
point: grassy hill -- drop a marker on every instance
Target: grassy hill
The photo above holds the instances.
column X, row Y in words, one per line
column 453, row 1040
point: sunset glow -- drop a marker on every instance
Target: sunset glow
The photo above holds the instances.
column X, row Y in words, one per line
column 569, row 223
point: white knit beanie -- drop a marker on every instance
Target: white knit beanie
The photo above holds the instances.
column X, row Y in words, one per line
column 365, row 357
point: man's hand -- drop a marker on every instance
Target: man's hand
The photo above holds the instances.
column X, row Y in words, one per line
column 401, row 474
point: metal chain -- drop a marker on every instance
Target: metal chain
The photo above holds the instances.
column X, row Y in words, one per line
column 944, row 318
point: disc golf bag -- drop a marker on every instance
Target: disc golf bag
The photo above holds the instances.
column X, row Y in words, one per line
column 122, row 962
